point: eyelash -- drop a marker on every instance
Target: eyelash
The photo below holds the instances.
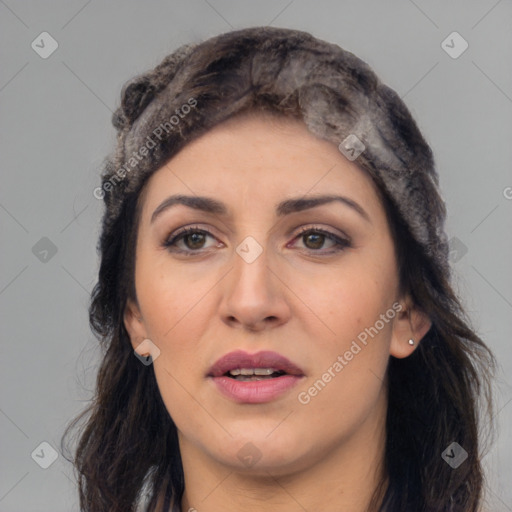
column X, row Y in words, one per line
column 340, row 243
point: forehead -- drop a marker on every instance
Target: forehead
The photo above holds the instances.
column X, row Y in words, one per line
column 256, row 159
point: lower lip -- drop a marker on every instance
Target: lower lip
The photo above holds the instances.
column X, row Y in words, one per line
column 255, row 392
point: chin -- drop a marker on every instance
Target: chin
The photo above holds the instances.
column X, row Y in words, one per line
column 255, row 451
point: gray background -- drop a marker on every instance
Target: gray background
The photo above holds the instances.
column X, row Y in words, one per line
column 55, row 131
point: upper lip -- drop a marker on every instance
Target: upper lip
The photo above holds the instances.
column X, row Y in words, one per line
column 240, row 359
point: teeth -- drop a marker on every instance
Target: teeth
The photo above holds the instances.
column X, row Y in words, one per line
column 252, row 371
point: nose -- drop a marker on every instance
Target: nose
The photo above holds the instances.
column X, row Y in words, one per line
column 254, row 297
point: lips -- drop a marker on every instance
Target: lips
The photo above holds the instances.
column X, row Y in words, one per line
column 254, row 378
column 240, row 360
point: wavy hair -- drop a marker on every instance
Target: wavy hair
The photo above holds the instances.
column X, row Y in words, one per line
column 127, row 454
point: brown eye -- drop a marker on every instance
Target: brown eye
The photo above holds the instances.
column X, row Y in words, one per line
column 196, row 240
column 188, row 241
column 314, row 240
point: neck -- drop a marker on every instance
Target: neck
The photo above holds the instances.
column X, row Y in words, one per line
column 344, row 479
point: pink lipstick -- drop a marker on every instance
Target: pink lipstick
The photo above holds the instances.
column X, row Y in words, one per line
column 254, row 378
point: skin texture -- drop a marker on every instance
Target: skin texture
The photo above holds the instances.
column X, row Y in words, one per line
column 298, row 298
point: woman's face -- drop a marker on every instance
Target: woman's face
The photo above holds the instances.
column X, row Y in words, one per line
column 265, row 268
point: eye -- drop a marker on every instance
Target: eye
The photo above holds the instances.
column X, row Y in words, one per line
column 193, row 238
column 191, row 241
column 314, row 238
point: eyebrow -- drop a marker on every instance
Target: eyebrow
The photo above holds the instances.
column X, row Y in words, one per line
column 293, row 205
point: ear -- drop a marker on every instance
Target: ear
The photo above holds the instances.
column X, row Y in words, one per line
column 410, row 323
column 134, row 324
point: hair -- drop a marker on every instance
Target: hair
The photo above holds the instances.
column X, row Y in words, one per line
column 128, row 448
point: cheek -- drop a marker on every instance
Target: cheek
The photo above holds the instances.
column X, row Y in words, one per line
column 174, row 312
column 360, row 312
column 166, row 303
column 350, row 352
column 348, row 368
column 167, row 294
column 174, row 316
column 350, row 296
column 355, row 330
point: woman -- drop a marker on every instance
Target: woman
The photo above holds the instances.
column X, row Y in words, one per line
column 274, row 295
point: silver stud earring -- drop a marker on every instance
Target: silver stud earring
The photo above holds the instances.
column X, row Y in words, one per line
column 411, row 342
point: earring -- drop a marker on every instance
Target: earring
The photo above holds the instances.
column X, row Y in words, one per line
column 411, row 342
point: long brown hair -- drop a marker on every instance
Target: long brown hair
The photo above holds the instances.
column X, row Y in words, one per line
column 128, row 448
